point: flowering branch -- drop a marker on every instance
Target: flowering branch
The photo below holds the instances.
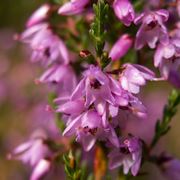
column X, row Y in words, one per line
column 162, row 127
column 90, row 102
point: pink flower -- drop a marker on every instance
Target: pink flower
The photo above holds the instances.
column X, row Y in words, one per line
column 128, row 155
column 121, row 47
column 129, row 104
column 40, row 169
column 124, row 11
column 164, row 52
column 72, row 107
column 61, row 75
column 47, row 47
column 32, row 151
column 152, row 28
column 170, row 71
column 167, row 58
column 39, row 15
column 134, row 76
column 88, row 127
column 73, row 7
column 95, row 85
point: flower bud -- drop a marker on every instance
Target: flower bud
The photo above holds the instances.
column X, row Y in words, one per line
column 121, row 47
column 124, row 11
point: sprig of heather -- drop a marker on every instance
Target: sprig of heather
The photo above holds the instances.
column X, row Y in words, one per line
column 72, row 166
column 170, row 109
column 97, row 30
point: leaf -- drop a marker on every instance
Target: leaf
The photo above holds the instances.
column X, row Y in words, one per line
column 97, row 30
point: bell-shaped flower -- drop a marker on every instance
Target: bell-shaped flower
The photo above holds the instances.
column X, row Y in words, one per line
column 134, row 76
column 129, row 103
column 41, row 169
column 167, row 58
column 62, row 75
column 124, row 11
column 39, row 15
column 152, row 28
column 121, row 47
column 95, row 85
column 32, row 151
column 72, row 108
column 73, row 7
column 47, row 47
column 88, row 127
column 164, row 52
column 128, row 155
column 170, row 71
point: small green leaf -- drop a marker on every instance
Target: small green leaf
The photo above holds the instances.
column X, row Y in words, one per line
column 97, row 31
column 162, row 127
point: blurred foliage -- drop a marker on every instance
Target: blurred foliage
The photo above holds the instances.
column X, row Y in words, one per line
column 13, row 14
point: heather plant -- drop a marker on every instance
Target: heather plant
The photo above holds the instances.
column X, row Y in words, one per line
column 96, row 57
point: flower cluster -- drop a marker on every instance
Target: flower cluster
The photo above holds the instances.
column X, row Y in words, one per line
column 94, row 104
column 92, row 108
column 49, row 50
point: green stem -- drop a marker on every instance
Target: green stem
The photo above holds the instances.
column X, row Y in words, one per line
column 170, row 109
column 97, row 30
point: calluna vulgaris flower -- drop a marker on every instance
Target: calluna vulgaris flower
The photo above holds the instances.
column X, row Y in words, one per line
column 167, row 58
column 121, row 47
column 46, row 46
column 88, row 127
column 73, row 7
column 124, row 11
column 40, row 169
column 128, row 155
column 98, row 96
column 32, row 151
column 39, row 15
column 134, row 76
column 152, row 28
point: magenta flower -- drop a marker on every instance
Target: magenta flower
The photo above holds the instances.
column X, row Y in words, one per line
column 88, row 127
column 46, row 46
column 167, row 58
column 95, row 85
column 134, row 76
column 124, row 11
column 73, row 7
column 73, row 108
column 40, row 169
column 32, row 151
column 152, row 28
column 39, row 15
column 128, row 155
column 164, row 52
column 136, row 107
column 174, row 77
column 62, row 75
column 121, row 47
column 170, row 71
column 128, row 103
